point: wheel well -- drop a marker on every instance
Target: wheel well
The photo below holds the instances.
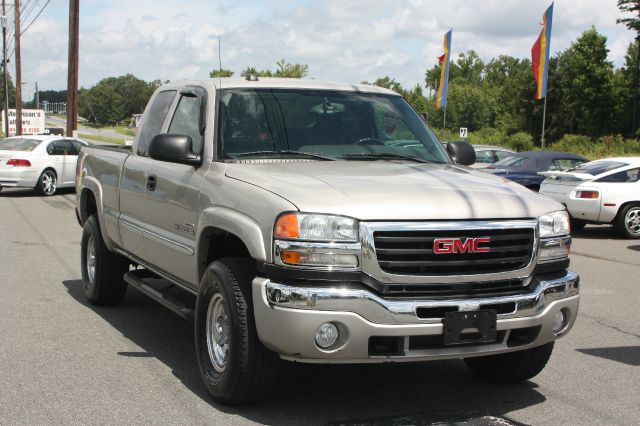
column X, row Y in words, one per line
column 216, row 243
column 88, row 204
column 622, row 206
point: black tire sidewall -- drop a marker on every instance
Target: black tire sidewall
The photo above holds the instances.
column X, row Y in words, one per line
column 621, row 222
column 90, row 229
column 39, row 187
column 217, row 280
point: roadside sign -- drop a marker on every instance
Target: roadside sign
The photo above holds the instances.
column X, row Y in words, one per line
column 463, row 132
column 32, row 121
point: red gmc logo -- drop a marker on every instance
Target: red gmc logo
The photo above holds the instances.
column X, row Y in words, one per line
column 458, row 245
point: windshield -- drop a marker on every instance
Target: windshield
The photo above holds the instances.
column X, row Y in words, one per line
column 292, row 123
column 510, row 162
column 18, row 144
column 595, row 168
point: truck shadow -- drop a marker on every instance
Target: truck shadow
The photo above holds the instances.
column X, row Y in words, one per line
column 435, row 392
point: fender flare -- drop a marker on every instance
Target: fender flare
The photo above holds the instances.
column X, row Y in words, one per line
column 92, row 185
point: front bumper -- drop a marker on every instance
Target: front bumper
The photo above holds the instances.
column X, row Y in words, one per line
column 287, row 318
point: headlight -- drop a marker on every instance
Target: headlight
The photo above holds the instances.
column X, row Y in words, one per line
column 555, row 242
column 554, row 224
column 316, row 227
column 316, row 240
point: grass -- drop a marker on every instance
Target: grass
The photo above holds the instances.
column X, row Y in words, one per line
column 100, row 138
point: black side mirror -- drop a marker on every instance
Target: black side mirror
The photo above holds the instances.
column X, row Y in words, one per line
column 174, row 149
column 462, row 152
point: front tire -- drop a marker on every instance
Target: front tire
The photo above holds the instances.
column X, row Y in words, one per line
column 47, row 183
column 628, row 221
column 235, row 367
column 511, row 367
column 102, row 271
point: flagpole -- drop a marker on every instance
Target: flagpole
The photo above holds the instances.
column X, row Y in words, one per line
column 444, row 121
column 544, row 116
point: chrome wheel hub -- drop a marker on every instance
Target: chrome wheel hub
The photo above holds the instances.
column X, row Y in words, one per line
column 218, row 329
column 49, row 182
column 632, row 220
column 91, row 261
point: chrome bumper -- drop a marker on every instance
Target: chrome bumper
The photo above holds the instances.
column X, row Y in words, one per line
column 288, row 316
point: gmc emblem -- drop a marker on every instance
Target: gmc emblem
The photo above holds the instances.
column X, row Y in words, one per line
column 457, row 245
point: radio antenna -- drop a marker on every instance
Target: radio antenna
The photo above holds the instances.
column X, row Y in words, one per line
column 219, row 62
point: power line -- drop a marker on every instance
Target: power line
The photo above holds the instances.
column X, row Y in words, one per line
column 37, row 16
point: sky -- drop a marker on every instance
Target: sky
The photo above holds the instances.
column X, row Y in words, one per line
column 340, row 40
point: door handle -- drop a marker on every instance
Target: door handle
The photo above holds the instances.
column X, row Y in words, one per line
column 151, row 182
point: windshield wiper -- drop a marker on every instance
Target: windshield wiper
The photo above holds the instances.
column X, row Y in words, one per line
column 383, row 156
column 287, row 153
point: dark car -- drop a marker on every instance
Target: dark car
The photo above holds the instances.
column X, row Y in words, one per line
column 523, row 167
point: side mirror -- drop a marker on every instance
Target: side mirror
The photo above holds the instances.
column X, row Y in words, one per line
column 462, row 152
column 174, row 149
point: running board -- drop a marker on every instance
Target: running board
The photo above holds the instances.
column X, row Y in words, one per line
column 160, row 290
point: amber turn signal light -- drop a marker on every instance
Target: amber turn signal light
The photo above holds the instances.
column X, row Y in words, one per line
column 286, row 226
column 587, row 194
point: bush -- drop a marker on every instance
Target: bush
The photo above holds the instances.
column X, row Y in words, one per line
column 520, row 141
column 488, row 136
column 576, row 144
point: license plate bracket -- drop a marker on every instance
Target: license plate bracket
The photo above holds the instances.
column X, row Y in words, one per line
column 470, row 327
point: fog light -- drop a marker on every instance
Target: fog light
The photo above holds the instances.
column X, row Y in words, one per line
column 558, row 321
column 327, row 335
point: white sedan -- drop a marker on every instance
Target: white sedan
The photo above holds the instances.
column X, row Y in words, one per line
column 44, row 163
column 602, row 191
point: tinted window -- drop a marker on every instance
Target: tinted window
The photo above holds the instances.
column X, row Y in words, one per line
column 503, row 154
column 484, row 157
column 621, row 177
column 152, row 122
column 186, row 121
column 18, row 144
column 325, row 122
column 595, row 168
column 61, row 147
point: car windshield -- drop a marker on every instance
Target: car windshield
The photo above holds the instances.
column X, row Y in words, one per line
column 293, row 123
column 510, row 162
column 18, row 144
column 595, row 168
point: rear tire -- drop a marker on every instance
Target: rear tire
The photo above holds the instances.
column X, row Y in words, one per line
column 234, row 365
column 47, row 183
column 511, row 367
column 628, row 221
column 102, row 271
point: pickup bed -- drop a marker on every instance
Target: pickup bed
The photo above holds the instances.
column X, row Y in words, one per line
column 322, row 223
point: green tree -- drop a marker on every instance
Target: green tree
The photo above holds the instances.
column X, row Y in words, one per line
column 115, row 99
column 284, row 69
column 586, row 85
column 221, row 73
column 12, row 91
column 633, row 23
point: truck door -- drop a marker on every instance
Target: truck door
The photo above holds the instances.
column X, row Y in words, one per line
column 137, row 168
column 172, row 202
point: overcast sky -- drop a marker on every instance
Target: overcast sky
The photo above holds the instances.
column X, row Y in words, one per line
column 343, row 40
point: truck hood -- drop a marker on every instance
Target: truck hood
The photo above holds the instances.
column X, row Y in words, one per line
column 383, row 190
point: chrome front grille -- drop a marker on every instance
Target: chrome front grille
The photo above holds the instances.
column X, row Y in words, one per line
column 412, row 252
column 402, row 253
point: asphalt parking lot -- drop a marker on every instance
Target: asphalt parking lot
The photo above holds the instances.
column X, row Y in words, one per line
column 63, row 361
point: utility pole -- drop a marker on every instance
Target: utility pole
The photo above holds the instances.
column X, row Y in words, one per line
column 18, row 71
column 37, row 97
column 4, row 68
column 72, row 82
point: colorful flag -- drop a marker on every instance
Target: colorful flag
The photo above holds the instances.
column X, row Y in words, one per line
column 540, row 54
column 444, row 73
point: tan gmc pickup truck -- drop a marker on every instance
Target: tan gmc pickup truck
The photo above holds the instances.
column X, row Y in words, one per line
column 322, row 223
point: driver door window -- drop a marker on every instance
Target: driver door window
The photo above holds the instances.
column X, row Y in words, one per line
column 186, row 121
